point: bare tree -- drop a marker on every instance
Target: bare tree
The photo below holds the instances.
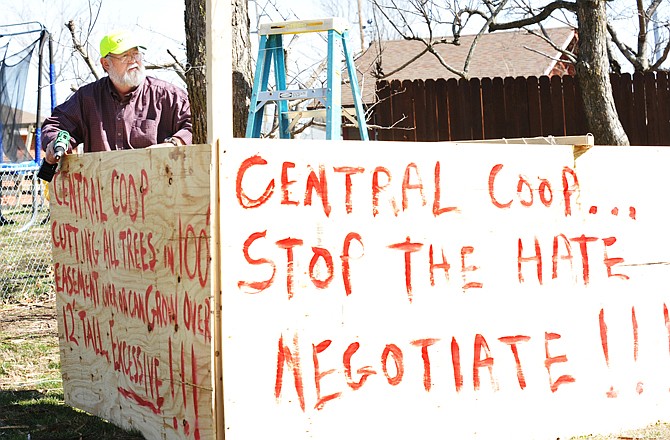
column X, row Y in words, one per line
column 196, row 77
column 430, row 21
column 645, row 55
column 242, row 76
column 427, row 20
column 592, row 65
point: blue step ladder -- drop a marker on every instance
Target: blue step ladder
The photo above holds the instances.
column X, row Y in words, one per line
column 271, row 48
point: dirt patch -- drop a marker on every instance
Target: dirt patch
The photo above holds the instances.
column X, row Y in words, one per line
column 29, row 356
column 34, row 320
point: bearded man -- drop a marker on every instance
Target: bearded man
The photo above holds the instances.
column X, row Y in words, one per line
column 124, row 110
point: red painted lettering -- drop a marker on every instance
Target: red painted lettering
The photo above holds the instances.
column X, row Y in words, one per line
column 406, row 185
column 551, row 360
column 365, row 372
column 257, row 286
column 319, row 375
column 437, row 200
column 512, row 341
column 244, row 200
column 408, row 248
column 289, row 244
column 320, row 186
column 481, row 345
column 292, row 361
column 348, row 172
column 424, row 344
column 395, row 352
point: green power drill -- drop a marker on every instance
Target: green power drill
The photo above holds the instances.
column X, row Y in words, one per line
column 61, row 144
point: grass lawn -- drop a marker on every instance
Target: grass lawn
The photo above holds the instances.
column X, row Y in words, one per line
column 31, row 392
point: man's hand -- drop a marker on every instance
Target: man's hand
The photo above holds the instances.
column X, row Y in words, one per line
column 164, row 144
column 169, row 142
column 50, row 154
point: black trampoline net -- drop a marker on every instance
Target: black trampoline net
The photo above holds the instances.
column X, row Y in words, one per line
column 14, row 69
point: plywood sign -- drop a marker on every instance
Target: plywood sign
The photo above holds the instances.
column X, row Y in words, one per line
column 131, row 238
column 433, row 291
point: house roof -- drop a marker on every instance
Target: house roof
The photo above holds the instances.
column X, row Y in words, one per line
column 497, row 54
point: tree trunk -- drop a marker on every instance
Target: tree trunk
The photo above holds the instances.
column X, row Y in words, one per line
column 242, row 71
column 593, row 74
column 196, row 78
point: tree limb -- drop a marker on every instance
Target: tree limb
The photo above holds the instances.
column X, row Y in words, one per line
column 664, row 55
column 571, row 56
column 80, row 49
column 625, row 50
column 545, row 12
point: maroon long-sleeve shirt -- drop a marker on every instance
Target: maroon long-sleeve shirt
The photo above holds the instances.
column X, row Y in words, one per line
column 97, row 116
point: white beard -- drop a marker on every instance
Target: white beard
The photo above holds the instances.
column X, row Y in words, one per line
column 129, row 79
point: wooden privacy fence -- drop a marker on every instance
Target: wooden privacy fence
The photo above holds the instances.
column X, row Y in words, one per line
column 496, row 108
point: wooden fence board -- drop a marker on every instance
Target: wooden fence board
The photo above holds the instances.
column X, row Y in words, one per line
column 511, row 129
column 383, row 114
column 476, row 115
column 534, row 110
column 454, row 108
column 465, row 108
column 651, row 98
column 663, row 105
column 545, row 105
column 522, row 107
column 579, row 110
column 558, row 120
column 488, row 113
column 420, row 110
column 639, row 128
column 498, row 108
column 570, row 105
column 430, row 119
column 403, row 110
column 442, row 104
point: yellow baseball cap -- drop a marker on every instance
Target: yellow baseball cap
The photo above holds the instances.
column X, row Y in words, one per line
column 118, row 42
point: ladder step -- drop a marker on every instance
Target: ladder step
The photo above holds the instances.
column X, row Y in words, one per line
column 304, row 26
column 287, row 95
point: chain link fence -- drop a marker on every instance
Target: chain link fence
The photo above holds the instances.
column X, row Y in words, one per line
column 26, row 270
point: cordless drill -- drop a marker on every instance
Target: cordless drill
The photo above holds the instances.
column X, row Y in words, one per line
column 48, row 170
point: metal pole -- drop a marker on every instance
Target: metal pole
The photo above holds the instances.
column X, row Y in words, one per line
column 52, row 73
column 38, row 123
column 360, row 25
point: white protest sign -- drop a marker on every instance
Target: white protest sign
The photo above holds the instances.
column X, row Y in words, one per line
column 441, row 290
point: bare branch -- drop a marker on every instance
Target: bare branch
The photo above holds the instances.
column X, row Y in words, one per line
column 80, row 49
column 544, row 13
column 664, row 55
column 570, row 55
column 181, row 69
column 489, row 21
column 625, row 50
column 410, row 61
